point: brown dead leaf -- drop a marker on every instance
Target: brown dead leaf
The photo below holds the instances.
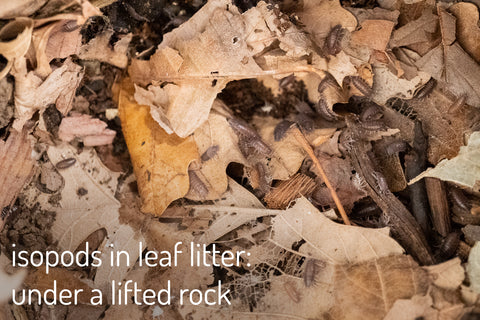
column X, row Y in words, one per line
column 92, row 131
column 319, row 16
column 447, row 275
column 66, row 279
column 368, row 290
column 160, row 161
column 33, row 94
column 374, row 34
column 468, row 32
column 100, row 48
column 447, row 26
column 17, row 166
column 416, row 31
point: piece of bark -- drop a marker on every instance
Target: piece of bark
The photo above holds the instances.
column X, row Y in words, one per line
column 437, row 197
column 404, row 226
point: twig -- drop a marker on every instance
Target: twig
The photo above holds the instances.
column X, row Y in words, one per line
column 306, row 146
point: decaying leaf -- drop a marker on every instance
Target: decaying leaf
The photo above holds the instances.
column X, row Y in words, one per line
column 101, row 49
column 463, row 169
column 468, row 32
column 33, row 94
column 368, row 290
column 93, row 132
column 17, row 167
column 159, row 159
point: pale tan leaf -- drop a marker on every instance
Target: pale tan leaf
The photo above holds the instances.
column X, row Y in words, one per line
column 417, row 306
column 416, row 31
column 374, row 34
column 100, row 48
column 92, row 131
column 463, row 169
column 368, row 290
column 448, row 275
column 13, row 9
column 447, row 26
column 473, row 268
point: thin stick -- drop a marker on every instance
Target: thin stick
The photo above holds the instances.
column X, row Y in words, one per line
column 306, row 146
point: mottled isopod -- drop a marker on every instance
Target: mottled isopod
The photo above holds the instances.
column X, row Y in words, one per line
column 324, row 111
column 327, row 81
column 371, row 112
column 281, row 129
column 312, row 267
column 242, row 128
column 197, row 185
column 64, row 164
column 70, row 25
column 303, row 107
column 292, row 291
column 449, row 245
column 426, row 89
column 305, row 122
column 260, row 146
column 458, row 104
column 333, row 41
column 381, row 182
column 459, row 199
column 210, row 153
column 361, row 85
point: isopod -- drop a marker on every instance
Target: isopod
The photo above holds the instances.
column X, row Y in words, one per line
column 305, row 122
column 361, row 85
column 242, row 128
column 284, row 82
column 426, row 89
column 333, row 41
column 459, row 199
column 449, row 245
column 292, row 291
column 396, row 147
column 312, row 266
column 260, row 146
column 324, row 111
column 326, row 82
column 381, row 182
column 458, row 104
column 372, row 125
column 64, row 164
column 197, row 185
column 210, row 153
column 371, row 112
column 281, row 129
column 70, row 25
column 303, row 107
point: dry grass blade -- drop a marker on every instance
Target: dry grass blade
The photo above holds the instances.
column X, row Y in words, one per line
column 308, row 149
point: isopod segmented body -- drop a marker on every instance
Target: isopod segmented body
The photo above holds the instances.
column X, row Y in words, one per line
column 281, row 129
column 396, row 147
column 312, row 267
column 333, row 41
column 64, row 164
column 324, row 111
column 449, row 245
column 426, row 89
column 197, row 185
column 361, row 85
column 210, row 153
column 458, row 104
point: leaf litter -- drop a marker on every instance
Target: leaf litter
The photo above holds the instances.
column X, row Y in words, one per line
column 287, row 130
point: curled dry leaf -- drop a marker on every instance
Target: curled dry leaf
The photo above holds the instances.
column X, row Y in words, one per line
column 93, row 132
column 160, row 161
column 33, row 94
column 17, row 167
column 20, row 30
column 100, row 48
column 463, row 169
column 468, row 32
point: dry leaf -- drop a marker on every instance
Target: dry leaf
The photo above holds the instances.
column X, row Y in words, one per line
column 416, row 31
column 414, row 308
column 66, row 280
column 368, row 290
column 468, row 32
column 15, row 39
column 17, row 166
column 33, row 94
column 160, row 161
column 92, row 131
column 463, row 169
column 473, row 268
column 19, row 8
column 100, row 48
column 374, row 34
column 319, row 16
column 447, row 275
column 447, row 26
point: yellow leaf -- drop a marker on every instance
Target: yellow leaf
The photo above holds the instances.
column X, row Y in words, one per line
column 160, row 161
